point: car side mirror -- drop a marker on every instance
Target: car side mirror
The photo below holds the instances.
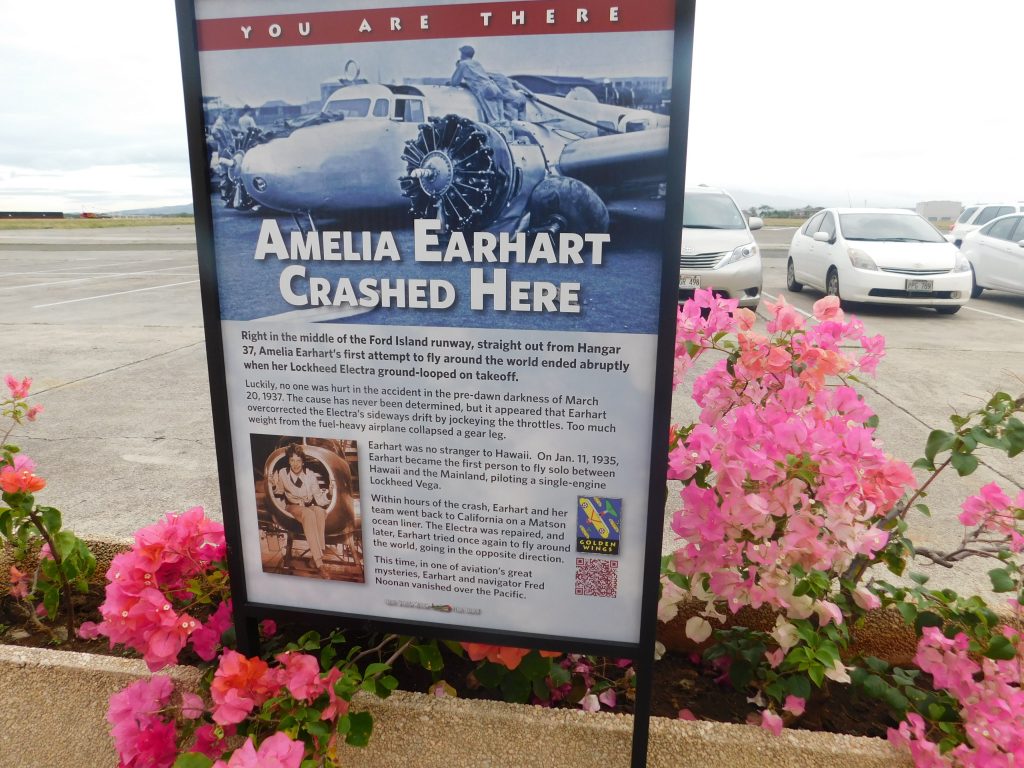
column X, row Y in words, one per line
column 822, row 237
column 755, row 222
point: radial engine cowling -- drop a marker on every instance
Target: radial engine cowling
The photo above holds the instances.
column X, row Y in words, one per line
column 459, row 172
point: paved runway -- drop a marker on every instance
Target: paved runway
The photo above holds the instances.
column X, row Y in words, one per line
column 108, row 323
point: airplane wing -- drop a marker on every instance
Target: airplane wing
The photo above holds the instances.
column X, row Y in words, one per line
column 605, row 162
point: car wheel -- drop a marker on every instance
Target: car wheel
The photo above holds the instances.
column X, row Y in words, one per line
column 832, row 283
column 791, row 282
column 976, row 290
column 948, row 310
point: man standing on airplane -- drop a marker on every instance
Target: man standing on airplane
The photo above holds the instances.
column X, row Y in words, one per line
column 470, row 72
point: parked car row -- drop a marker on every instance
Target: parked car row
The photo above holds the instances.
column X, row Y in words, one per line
column 871, row 255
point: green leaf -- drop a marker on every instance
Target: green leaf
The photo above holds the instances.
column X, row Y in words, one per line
column 872, row 422
column 938, row 441
column 51, row 518
column 490, row 675
column 1013, row 433
column 927, row 619
column 875, row 686
column 65, row 542
column 963, row 463
column 375, row 669
column 192, row 760
column 310, row 641
column 516, row 688
column 923, row 509
column 1001, row 579
column 51, row 599
column 817, row 674
column 1001, row 648
column 318, row 728
column 430, row 657
column 918, row 578
column 534, row 666
column 924, row 464
column 361, row 726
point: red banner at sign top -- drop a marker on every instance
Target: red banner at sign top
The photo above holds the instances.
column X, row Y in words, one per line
column 522, row 17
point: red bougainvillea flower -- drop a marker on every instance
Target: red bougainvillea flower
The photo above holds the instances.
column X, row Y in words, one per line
column 239, row 685
column 19, row 584
column 13, row 480
column 502, row 654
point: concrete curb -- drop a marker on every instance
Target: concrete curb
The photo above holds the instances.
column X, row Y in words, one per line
column 53, row 707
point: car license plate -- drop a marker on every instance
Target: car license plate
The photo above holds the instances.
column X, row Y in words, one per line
column 918, row 286
column 689, row 281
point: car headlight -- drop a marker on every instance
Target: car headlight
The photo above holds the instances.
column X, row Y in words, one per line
column 740, row 253
column 961, row 264
column 861, row 260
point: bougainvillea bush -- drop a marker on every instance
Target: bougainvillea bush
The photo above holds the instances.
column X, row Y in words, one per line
column 63, row 563
column 789, row 501
column 168, row 599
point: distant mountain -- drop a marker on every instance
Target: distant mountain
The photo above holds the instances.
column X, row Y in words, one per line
column 185, row 209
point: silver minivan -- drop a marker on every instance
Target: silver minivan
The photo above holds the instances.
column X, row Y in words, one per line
column 718, row 250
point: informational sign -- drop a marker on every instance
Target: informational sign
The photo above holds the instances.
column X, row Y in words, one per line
column 435, row 248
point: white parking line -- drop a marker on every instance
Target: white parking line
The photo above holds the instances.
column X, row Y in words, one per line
column 995, row 314
column 72, row 271
column 100, row 276
column 108, row 295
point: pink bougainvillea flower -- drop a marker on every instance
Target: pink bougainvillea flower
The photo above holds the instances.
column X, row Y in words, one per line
column 685, row 714
column 88, row 630
column 268, row 628
column 19, row 389
column 827, row 310
column 33, row 413
column 795, row 705
column 142, row 736
column 192, row 706
column 208, row 743
column 301, row 675
column 206, row 639
column 771, row 722
column 19, row 584
column 336, row 705
column 276, row 751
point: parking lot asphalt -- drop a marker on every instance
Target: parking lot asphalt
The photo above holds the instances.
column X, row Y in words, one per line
column 108, row 323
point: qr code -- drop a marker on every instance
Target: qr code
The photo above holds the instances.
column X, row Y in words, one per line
column 597, row 578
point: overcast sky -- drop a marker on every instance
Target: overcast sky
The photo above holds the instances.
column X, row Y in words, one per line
column 883, row 102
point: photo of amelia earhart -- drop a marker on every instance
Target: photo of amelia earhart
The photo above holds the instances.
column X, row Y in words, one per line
column 307, row 500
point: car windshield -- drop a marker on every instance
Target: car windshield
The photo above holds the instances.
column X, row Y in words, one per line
column 968, row 212
column 898, row 227
column 710, row 211
column 347, row 108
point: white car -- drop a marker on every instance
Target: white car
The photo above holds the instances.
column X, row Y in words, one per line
column 718, row 250
column 881, row 256
column 974, row 217
column 996, row 254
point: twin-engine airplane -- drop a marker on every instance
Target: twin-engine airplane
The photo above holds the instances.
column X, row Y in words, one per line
column 429, row 149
